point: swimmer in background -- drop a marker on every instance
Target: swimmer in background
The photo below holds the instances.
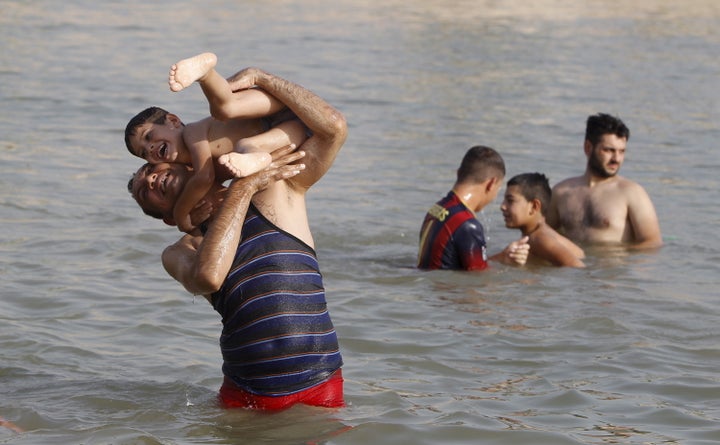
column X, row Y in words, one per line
column 601, row 206
column 231, row 143
column 527, row 198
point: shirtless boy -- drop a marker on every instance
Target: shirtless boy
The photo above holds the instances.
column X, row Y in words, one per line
column 527, row 198
column 217, row 147
column 601, row 206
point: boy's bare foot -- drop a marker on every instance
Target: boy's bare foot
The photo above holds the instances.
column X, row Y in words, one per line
column 187, row 71
column 245, row 164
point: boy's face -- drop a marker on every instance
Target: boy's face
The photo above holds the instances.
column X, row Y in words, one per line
column 159, row 143
column 516, row 210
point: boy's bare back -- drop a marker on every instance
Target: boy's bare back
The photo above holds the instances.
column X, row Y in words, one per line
column 547, row 244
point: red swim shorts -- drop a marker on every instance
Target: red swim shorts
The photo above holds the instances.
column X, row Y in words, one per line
column 328, row 394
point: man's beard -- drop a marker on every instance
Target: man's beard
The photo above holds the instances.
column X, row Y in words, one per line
column 598, row 169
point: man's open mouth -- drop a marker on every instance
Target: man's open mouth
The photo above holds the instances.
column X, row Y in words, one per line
column 163, row 182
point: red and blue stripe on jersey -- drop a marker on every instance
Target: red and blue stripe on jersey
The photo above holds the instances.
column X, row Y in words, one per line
column 451, row 237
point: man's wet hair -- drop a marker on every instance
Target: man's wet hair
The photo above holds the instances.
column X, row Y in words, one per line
column 479, row 164
column 601, row 124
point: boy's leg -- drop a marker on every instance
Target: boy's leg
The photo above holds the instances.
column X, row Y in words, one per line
column 253, row 154
column 290, row 132
column 244, row 104
column 224, row 103
column 201, row 68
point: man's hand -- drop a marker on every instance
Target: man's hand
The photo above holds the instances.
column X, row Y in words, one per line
column 281, row 168
column 327, row 125
column 201, row 212
column 244, row 79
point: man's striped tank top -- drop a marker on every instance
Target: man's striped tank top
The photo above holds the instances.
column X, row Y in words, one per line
column 277, row 336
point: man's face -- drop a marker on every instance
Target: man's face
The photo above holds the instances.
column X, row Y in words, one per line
column 156, row 187
column 492, row 188
column 159, row 143
column 606, row 157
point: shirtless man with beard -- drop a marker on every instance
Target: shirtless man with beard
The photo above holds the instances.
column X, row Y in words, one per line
column 601, row 206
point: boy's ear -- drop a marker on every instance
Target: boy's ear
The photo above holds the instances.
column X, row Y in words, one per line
column 536, row 206
column 173, row 120
column 169, row 221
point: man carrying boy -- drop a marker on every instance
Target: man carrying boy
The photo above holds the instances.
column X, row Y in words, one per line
column 256, row 264
column 451, row 237
column 219, row 147
column 600, row 206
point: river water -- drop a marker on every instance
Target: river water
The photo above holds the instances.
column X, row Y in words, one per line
column 100, row 346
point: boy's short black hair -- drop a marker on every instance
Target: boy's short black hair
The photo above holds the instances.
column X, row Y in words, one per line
column 154, row 115
column 533, row 186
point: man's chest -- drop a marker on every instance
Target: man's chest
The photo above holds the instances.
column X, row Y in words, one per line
column 590, row 208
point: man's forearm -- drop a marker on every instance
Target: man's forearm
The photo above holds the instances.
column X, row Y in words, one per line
column 316, row 113
column 328, row 125
column 217, row 250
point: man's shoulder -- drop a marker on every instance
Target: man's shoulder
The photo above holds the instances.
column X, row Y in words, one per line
column 469, row 225
column 566, row 183
column 626, row 183
column 185, row 242
column 633, row 191
column 626, row 187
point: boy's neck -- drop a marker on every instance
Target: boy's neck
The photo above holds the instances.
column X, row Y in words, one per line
column 531, row 228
